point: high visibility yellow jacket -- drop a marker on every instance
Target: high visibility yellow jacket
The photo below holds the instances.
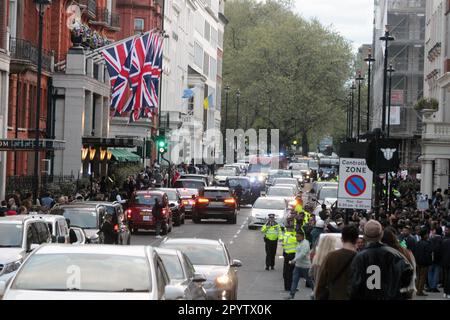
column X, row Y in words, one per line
column 272, row 232
column 289, row 242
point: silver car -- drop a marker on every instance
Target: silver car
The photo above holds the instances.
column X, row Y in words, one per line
column 182, row 273
column 94, row 272
column 212, row 259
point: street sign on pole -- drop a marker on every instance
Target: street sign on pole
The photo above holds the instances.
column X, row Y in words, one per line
column 355, row 184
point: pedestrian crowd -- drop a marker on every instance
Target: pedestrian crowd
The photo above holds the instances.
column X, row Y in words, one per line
column 395, row 254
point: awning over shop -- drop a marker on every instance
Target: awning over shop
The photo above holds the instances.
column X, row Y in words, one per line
column 123, row 155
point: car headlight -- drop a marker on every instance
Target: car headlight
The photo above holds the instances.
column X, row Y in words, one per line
column 11, row 267
column 252, row 179
column 260, row 178
column 223, row 280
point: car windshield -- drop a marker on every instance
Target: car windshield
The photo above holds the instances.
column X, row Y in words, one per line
column 188, row 192
column 328, row 193
column 313, row 164
column 201, row 254
column 146, row 199
column 172, row 195
column 285, row 181
column 216, row 194
column 200, row 178
column 226, row 172
column 82, row 218
column 173, row 266
column 189, row 184
column 235, row 182
column 264, row 203
column 280, row 192
column 10, row 235
column 299, row 166
column 296, row 173
column 123, row 273
column 258, row 168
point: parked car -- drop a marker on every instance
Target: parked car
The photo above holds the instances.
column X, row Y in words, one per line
column 108, row 273
column 200, row 177
column 182, row 273
column 176, row 205
column 190, row 184
column 188, row 197
column 140, row 207
column 19, row 236
column 249, row 194
column 215, row 203
column 265, row 205
column 212, row 259
column 222, row 174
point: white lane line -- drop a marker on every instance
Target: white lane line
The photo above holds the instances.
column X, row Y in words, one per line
column 231, row 242
column 242, row 227
column 280, row 257
column 239, row 231
column 235, row 236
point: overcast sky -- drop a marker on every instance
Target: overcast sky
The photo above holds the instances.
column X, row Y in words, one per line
column 353, row 19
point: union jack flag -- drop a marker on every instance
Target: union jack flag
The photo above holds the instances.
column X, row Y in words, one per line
column 118, row 60
column 144, row 76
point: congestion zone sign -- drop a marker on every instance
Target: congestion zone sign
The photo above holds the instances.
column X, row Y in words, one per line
column 355, row 184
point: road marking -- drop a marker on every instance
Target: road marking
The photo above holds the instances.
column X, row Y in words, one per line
column 280, row 257
column 235, row 236
column 239, row 231
column 242, row 227
column 231, row 242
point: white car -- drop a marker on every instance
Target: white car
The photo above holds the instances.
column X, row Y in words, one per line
column 287, row 181
column 327, row 196
column 265, row 205
column 94, row 272
column 220, row 178
column 20, row 235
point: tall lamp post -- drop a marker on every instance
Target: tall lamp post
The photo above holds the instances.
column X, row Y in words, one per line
column 349, row 106
column 227, row 91
column 390, row 70
column 238, row 95
column 41, row 6
column 369, row 60
column 359, row 79
column 386, row 38
column 352, row 98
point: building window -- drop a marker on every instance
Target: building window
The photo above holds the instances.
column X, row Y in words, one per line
column 138, row 26
column 206, row 64
column 198, row 55
column 207, row 31
column 199, row 24
column 214, row 37
column 219, row 66
column 12, row 23
column 220, row 39
column 213, row 68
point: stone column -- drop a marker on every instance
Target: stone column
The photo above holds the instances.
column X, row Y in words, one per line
column 441, row 174
column 88, row 114
column 98, row 116
column 426, row 186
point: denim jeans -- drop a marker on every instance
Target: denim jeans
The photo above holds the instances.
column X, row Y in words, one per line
column 433, row 276
column 300, row 273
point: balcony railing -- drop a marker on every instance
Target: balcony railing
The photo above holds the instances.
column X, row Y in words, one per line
column 436, row 131
column 91, row 5
column 25, row 50
column 109, row 18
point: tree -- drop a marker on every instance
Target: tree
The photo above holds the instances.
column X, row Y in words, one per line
column 292, row 71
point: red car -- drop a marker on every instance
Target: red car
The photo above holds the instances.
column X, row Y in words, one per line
column 139, row 211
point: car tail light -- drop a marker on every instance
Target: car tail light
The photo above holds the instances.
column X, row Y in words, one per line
column 129, row 213
column 203, row 200
column 230, row 201
column 164, row 211
column 116, row 227
column 185, row 202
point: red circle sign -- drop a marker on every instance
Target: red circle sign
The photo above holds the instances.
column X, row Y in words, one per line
column 355, row 185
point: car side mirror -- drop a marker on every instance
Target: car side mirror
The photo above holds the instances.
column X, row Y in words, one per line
column 174, row 293
column 2, row 288
column 61, row 239
column 236, row 263
column 198, row 277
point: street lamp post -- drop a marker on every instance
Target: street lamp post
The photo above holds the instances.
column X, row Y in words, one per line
column 359, row 79
column 369, row 60
column 386, row 38
column 352, row 88
column 41, row 6
column 227, row 91
column 390, row 70
column 348, row 117
column 238, row 95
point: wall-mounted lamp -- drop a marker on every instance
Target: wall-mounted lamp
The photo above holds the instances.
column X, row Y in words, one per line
column 84, row 153
column 92, row 153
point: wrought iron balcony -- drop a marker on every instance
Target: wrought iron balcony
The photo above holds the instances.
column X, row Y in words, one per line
column 24, row 50
column 91, row 6
column 108, row 18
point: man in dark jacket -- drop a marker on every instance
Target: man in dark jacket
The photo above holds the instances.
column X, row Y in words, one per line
column 109, row 234
column 157, row 216
column 378, row 272
column 445, row 262
column 435, row 270
column 423, row 256
column 408, row 238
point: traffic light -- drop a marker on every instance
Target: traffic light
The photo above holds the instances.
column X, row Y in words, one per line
column 161, row 144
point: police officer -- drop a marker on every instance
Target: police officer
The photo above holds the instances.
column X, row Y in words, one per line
column 289, row 247
column 272, row 232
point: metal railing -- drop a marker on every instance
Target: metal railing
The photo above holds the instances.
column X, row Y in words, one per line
column 25, row 183
column 25, row 50
column 111, row 19
column 91, row 5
